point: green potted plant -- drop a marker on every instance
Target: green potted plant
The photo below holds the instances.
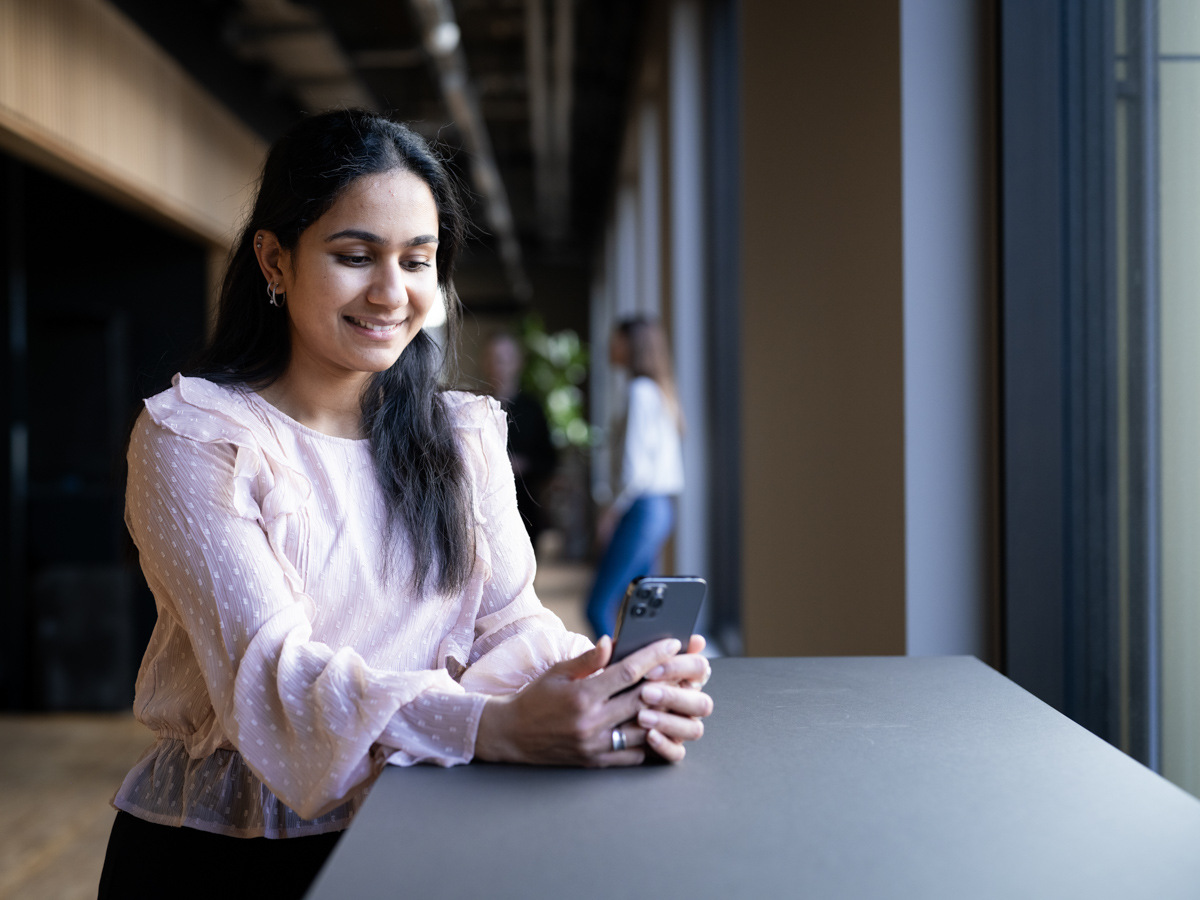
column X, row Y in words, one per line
column 555, row 367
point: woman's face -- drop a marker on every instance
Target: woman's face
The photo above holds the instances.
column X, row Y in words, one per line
column 618, row 350
column 362, row 278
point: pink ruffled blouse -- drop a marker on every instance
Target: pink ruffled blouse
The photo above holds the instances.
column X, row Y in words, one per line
column 289, row 664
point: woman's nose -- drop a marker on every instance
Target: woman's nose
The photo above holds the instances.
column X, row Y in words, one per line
column 389, row 287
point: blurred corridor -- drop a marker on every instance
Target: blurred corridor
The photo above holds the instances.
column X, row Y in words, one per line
column 927, row 407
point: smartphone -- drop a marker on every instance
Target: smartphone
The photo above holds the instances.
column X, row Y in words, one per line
column 657, row 607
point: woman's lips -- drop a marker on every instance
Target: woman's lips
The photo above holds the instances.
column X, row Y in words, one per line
column 376, row 330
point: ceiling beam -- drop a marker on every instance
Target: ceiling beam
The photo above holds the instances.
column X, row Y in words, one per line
column 294, row 42
column 443, row 41
column 550, row 95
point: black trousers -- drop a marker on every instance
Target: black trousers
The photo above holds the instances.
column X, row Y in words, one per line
column 145, row 860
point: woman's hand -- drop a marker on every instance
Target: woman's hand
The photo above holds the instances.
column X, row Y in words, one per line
column 567, row 716
column 690, row 670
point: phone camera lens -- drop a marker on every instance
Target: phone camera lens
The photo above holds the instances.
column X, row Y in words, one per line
column 639, row 609
column 655, row 601
column 643, row 593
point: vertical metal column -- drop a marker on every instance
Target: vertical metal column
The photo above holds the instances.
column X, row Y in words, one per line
column 1091, row 449
column 1032, row 265
column 689, row 295
column 723, row 241
column 649, row 229
column 1139, row 91
column 14, row 449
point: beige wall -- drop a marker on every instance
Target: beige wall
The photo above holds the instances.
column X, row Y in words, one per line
column 87, row 96
column 822, row 340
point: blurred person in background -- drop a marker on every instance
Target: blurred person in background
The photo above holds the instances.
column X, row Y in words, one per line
column 530, row 449
column 635, row 526
column 342, row 577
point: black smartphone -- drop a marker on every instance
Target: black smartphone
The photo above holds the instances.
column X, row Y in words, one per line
column 657, row 607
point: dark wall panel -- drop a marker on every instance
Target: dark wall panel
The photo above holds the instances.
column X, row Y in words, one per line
column 106, row 307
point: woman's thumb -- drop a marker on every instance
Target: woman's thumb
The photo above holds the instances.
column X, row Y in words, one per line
column 587, row 663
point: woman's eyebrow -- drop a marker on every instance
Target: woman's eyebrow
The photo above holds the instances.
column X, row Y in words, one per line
column 368, row 236
column 371, row 238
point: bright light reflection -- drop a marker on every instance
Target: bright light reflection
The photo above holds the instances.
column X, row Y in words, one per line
column 437, row 313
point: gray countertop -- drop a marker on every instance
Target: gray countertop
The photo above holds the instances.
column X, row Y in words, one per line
column 855, row 777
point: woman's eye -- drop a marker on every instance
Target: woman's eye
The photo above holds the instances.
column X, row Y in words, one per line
column 353, row 259
column 415, row 265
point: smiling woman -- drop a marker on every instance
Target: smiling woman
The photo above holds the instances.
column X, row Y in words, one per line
column 358, row 284
column 357, row 216
column 342, row 577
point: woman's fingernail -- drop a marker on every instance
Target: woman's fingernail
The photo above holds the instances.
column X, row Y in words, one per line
column 647, row 718
column 656, row 672
column 652, row 693
column 654, row 737
column 674, row 647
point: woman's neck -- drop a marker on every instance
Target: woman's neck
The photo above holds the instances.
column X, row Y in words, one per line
column 329, row 406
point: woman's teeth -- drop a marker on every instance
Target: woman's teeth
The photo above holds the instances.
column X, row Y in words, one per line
column 371, row 326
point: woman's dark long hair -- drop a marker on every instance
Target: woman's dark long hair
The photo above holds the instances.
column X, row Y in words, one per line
column 650, row 357
column 417, row 460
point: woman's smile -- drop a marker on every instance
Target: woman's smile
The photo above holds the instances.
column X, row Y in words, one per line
column 375, row 330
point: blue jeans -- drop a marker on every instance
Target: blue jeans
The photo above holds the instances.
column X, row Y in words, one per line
column 632, row 552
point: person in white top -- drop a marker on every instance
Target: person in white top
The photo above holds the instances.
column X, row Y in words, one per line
column 640, row 518
column 342, row 577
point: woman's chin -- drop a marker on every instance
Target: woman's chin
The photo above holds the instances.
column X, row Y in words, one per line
column 380, row 359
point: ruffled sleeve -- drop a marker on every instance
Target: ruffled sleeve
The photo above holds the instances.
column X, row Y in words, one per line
column 264, row 487
column 210, row 504
column 515, row 637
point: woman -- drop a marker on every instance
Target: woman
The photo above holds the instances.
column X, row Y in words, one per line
column 641, row 516
column 530, row 449
column 341, row 574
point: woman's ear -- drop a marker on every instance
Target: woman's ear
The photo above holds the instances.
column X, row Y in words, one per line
column 271, row 257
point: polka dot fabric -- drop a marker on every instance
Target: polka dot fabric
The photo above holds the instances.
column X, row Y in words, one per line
column 289, row 664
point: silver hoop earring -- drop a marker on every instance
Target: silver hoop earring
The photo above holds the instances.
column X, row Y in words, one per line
column 276, row 300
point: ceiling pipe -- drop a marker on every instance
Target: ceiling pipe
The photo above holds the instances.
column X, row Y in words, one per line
column 562, row 99
column 442, row 39
column 539, row 110
column 550, row 96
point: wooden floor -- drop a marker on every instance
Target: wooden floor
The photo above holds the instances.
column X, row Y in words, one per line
column 58, row 772
column 563, row 587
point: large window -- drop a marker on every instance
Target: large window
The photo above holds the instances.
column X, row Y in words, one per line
column 1177, row 72
column 1100, row 163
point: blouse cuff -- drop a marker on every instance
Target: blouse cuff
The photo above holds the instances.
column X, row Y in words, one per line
column 437, row 727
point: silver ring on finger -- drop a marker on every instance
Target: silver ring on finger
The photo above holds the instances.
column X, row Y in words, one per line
column 618, row 739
